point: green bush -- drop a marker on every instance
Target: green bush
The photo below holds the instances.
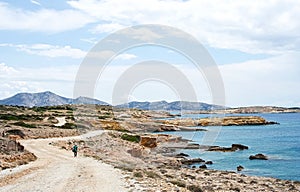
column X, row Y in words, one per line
column 152, row 174
column 137, row 174
column 23, row 117
column 194, row 188
column 178, row 183
column 131, row 138
column 22, row 124
column 11, row 117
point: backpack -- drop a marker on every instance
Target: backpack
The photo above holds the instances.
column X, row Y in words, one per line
column 74, row 148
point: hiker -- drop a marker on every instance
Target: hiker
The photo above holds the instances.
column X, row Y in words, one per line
column 75, row 149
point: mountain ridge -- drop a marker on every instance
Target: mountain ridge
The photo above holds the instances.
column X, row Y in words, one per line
column 46, row 98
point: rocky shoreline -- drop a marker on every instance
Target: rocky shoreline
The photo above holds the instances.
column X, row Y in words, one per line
column 151, row 162
column 155, row 169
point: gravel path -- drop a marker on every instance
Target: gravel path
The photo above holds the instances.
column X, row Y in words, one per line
column 58, row 170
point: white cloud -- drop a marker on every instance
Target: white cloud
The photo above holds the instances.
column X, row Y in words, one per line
column 269, row 26
column 272, row 81
column 49, row 50
column 89, row 40
column 42, row 20
column 6, row 70
column 126, row 56
column 35, row 2
column 107, row 28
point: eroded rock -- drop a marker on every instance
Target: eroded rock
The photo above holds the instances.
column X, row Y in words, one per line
column 258, row 156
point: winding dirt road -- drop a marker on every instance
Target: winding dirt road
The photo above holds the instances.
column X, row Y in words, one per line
column 57, row 170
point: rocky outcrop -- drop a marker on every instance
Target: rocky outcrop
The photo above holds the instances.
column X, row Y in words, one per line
column 258, row 156
column 234, row 147
column 239, row 147
column 192, row 161
column 148, row 141
column 12, row 154
column 11, row 161
column 220, row 121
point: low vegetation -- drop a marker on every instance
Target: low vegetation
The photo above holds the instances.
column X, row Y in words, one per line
column 23, row 124
column 131, row 138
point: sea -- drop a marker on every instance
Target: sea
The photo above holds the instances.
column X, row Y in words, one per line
column 280, row 142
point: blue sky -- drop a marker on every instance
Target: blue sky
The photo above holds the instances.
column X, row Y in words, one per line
column 256, row 45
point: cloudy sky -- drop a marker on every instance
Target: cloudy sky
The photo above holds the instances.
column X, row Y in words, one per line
column 256, row 45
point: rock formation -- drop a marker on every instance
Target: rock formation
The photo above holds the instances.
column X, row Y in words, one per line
column 258, row 156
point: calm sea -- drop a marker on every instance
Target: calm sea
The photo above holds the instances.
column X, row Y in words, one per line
column 281, row 143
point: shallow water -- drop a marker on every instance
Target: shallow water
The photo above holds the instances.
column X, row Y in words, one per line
column 281, row 143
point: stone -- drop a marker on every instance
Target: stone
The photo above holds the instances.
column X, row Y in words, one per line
column 148, row 141
column 208, row 162
column 239, row 147
column 234, row 147
column 239, row 168
column 258, row 156
column 192, row 161
column 181, row 155
column 135, row 152
column 203, row 166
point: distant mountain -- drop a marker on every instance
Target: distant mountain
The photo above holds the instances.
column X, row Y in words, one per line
column 87, row 100
column 46, row 99
column 172, row 106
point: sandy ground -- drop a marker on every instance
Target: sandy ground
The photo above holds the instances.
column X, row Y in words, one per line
column 61, row 121
column 58, row 170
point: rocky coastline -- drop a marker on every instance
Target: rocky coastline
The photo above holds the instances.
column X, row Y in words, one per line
column 157, row 168
column 133, row 143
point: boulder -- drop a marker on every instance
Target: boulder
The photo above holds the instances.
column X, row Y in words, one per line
column 208, row 162
column 148, row 141
column 239, row 147
column 203, row 166
column 135, row 152
column 181, row 155
column 239, row 168
column 258, row 156
column 192, row 161
column 234, row 147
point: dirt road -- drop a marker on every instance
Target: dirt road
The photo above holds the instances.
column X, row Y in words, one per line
column 58, row 170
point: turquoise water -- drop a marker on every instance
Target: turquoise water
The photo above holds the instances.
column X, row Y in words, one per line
column 281, row 143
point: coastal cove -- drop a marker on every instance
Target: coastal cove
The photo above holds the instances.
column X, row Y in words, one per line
column 280, row 142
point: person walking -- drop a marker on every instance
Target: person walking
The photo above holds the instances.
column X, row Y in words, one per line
column 75, row 149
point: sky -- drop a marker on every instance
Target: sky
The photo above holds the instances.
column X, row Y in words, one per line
column 255, row 44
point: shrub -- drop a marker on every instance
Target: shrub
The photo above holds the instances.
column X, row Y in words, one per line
column 22, row 124
column 131, row 138
column 178, row 183
column 194, row 188
column 152, row 174
column 137, row 174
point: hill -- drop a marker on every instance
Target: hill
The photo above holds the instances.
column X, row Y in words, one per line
column 46, row 99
